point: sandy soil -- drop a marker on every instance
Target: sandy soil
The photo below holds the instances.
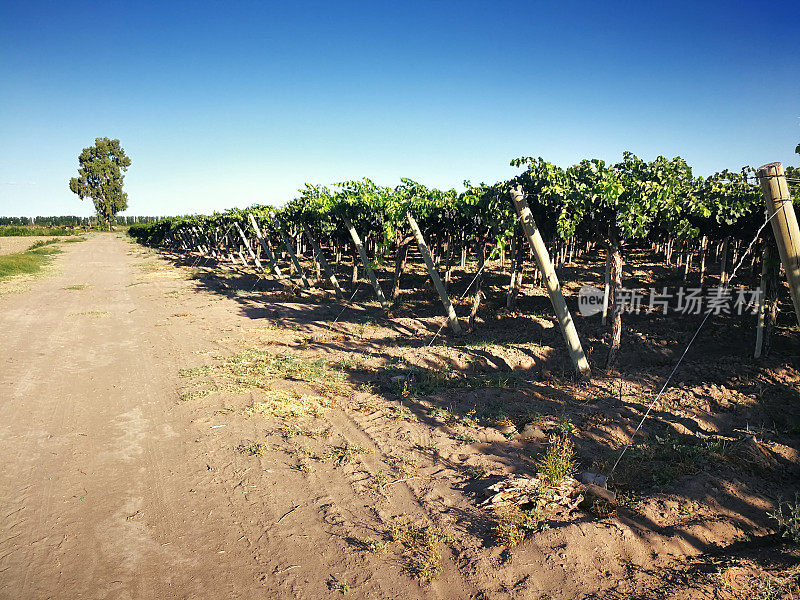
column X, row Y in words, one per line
column 11, row 244
column 125, row 475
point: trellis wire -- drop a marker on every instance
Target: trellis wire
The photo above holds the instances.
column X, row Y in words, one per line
column 471, row 283
column 689, row 345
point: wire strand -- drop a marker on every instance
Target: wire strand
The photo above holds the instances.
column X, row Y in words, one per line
column 689, row 345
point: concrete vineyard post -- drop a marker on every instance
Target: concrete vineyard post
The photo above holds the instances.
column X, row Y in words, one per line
column 762, row 305
column 551, row 281
column 364, row 261
column 246, row 243
column 606, row 286
column 437, row 282
column 723, row 273
column 298, row 267
column 265, row 246
column 324, row 262
column 784, row 225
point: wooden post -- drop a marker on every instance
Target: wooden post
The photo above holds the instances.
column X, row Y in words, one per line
column 784, row 225
column 364, row 261
column 324, row 262
column 437, row 282
column 553, row 288
column 723, row 274
column 264, row 245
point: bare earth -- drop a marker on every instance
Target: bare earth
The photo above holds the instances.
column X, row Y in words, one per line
column 112, row 487
column 11, row 244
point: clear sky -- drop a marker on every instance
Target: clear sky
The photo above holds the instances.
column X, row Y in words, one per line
column 225, row 104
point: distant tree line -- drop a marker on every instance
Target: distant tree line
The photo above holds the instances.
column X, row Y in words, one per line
column 71, row 221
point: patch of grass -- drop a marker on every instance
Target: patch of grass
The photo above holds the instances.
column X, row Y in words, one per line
column 558, row 462
column 787, row 515
column 25, row 263
column 31, row 230
column 765, row 587
column 375, row 546
column 450, row 418
column 338, row 586
column 361, row 328
column 284, row 404
column 291, row 430
column 403, row 413
column 79, row 286
column 380, row 479
column 475, row 471
column 254, row 369
column 465, row 438
column 421, row 544
column 194, row 395
column 404, row 466
column 512, row 524
column 630, row 501
column 253, row 449
column 431, row 446
column 42, row 243
column 368, row 406
column 346, row 453
column 507, row 528
column 496, row 413
column 661, row 461
column 261, row 363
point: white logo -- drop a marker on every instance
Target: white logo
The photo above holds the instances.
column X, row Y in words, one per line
column 590, row 300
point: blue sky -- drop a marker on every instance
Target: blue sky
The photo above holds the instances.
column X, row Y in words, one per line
column 230, row 104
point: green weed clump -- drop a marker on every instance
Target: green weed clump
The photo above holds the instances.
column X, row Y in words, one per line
column 403, row 413
column 285, row 404
column 375, row 546
column 42, row 243
column 787, row 516
column 512, row 524
column 558, row 462
column 253, row 449
column 422, row 553
column 25, row 263
column 255, row 369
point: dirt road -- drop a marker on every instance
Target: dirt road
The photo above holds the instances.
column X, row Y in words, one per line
column 112, row 488
column 101, row 491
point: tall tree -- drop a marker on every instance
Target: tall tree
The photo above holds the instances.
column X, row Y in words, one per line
column 100, row 177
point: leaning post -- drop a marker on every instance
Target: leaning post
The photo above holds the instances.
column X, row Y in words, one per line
column 365, row 261
column 246, row 243
column 264, row 245
column 324, row 262
column 551, row 281
column 784, row 225
column 437, row 282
